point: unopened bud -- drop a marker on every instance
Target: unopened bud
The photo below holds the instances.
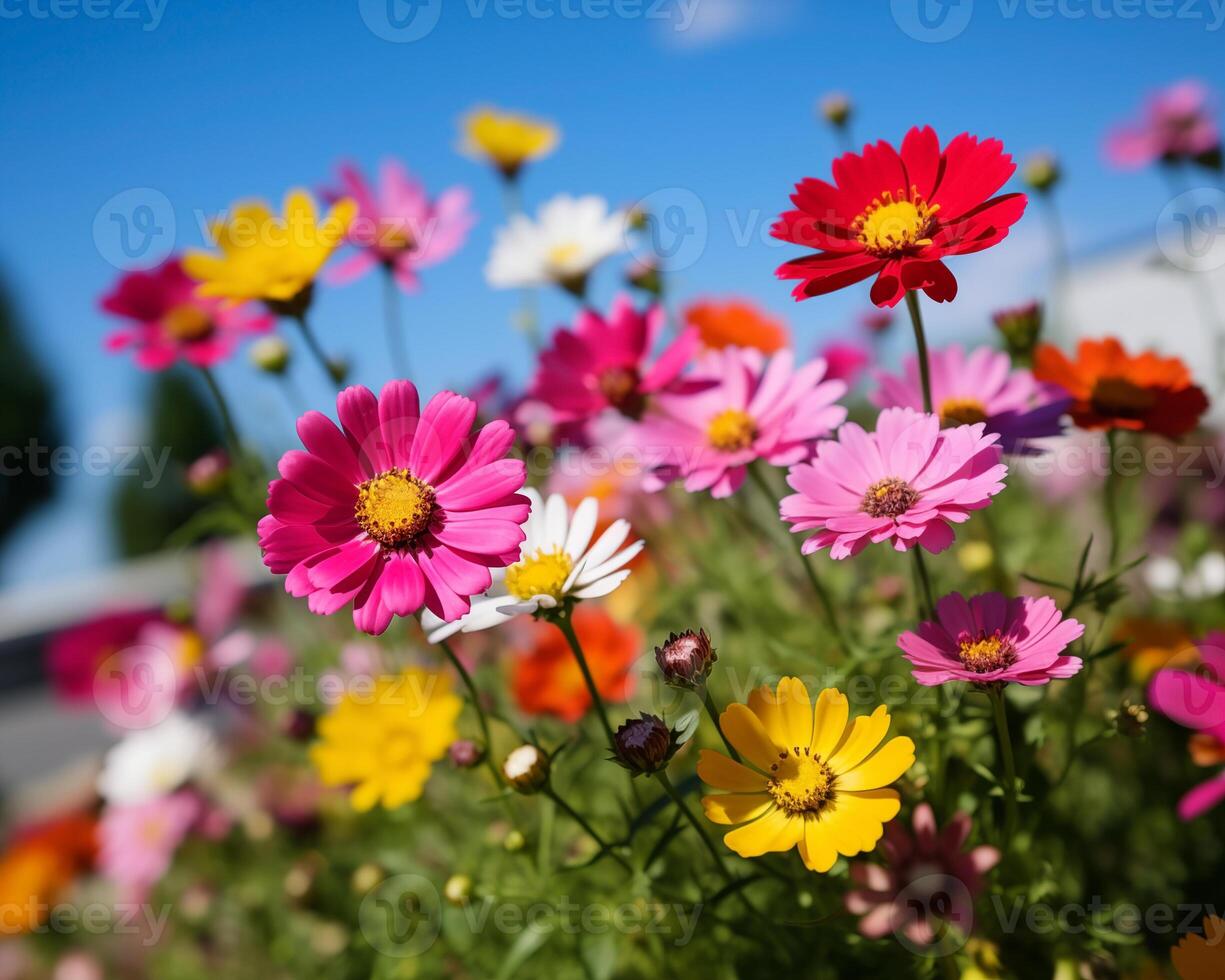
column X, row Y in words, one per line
column 458, row 889
column 270, row 354
column 514, row 841
column 366, row 877
column 836, row 108
column 644, row 744
column 1130, row 719
column 1041, row 172
column 686, row 659
column 208, row 474
column 526, row 769
column 1020, row 326
column 465, row 753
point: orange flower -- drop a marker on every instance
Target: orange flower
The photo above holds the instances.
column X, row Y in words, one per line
column 1153, row 644
column 1202, row 957
column 38, row 865
column 1115, row 390
column 738, row 323
column 547, row 679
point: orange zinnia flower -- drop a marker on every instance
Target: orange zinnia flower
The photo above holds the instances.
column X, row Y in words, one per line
column 1115, row 390
column 38, row 865
column 737, row 323
column 547, row 679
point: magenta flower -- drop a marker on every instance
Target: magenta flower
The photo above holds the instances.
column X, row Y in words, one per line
column 602, row 363
column 137, row 842
column 991, row 638
column 901, row 896
column 398, row 226
column 1197, row 700
column 1176, row 124
column 398, row 508
column 908, row 482
column 845, row 361
column 738, row 407
column 980, row 387
column 167, row 320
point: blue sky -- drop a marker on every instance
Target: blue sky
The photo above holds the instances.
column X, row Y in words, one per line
column 199, row 104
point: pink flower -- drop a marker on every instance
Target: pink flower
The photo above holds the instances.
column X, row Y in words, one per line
column 1176, row 124
column 399, row 508
column 908, row 482
column 1196, row 700
column 980, row 387
column 398, row 226
column 138, row 841
column 602, row 363
column 991, row 638
column 845, row 361
column 738, row 407
column 928, row 877
column 168, row 320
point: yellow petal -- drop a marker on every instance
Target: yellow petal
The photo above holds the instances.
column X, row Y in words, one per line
column 865, row 735
column 817, row 850
column 880, row 805
column 300, row 214
column 716, row 769
column 881, row 769
column 736, row 807
column 366, row 795
column 830, row 721
column 745, row 732
column 796, row 708
column 763, row 702
column 776, row 831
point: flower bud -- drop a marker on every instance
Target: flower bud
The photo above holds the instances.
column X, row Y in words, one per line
column 208, row 474
column 876, row 321
column 645, row 276
column 1041, row 172
column 686, row 659
column 1021, row 326
column 514, row 841
column 458, row 889
column 644, row 744
column 270, row 354
column 1130, row 719
column 836, row 108
column 366, row 878
column 526, row 769
column 465, row 753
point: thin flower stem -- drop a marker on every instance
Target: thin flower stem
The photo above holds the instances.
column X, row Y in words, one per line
column 527, row 319
column 714, row 716
column 1010, row 767
column 679, row 800
column 927, row 602
column 397, row 343
column 562, row 621
column 1111, row 493
column 475, row 697
column 223, row 409
column 920, row 339
column 579, row 819
column 332, row 370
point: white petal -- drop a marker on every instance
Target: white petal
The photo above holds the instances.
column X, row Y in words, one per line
column 602, row 587
column 556, row 522
column 582, row 526
column 593, row 572
column 607, row 543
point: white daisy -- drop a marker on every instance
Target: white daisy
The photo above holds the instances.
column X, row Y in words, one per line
column 156, row 761
column 555, row 564
column 569, row 238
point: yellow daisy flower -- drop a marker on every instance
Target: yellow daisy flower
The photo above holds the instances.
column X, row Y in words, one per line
column 381, row 739
column 813, row 781
column 269, row 257
column 506, row 139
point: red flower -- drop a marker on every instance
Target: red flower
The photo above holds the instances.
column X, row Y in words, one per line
column 896, row 215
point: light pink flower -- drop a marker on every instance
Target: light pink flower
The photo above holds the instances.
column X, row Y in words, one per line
column 980, row 387
column 1196, row 700
column 138, row 841
column 928, row 879
column 907, row 483
column 991, row 638
column 399, row 508
column 398, row 226
column 737, row 407
column 167, row 320
column 603, row 363
column 1175, row 124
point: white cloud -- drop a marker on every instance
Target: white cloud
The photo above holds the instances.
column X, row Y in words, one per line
column 706, row 23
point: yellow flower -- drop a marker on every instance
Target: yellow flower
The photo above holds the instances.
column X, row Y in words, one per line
column 265, row 256
column 1202, row 957
column 813, row 782
column 506, row 139
column 381, row 739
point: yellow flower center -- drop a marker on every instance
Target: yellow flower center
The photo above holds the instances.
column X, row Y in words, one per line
column 892, row 224
column 394, row 508
column 544, row 573
column 187, row 322
column 890, row 497
column 564, row 255
column 984, row 654
column 731, row 430
column 801, row 783
column 962, row 411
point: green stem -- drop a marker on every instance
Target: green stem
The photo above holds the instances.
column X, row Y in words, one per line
column 916, row 320
column 227, row 419
column 474, row 697
column 679, row 800
column 333, row 371
column 579, row 819
column 1112, row 495
column 562, row 621
column 927, row 602
column 714, row 716
column 397, row 343
column 1010, row 766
